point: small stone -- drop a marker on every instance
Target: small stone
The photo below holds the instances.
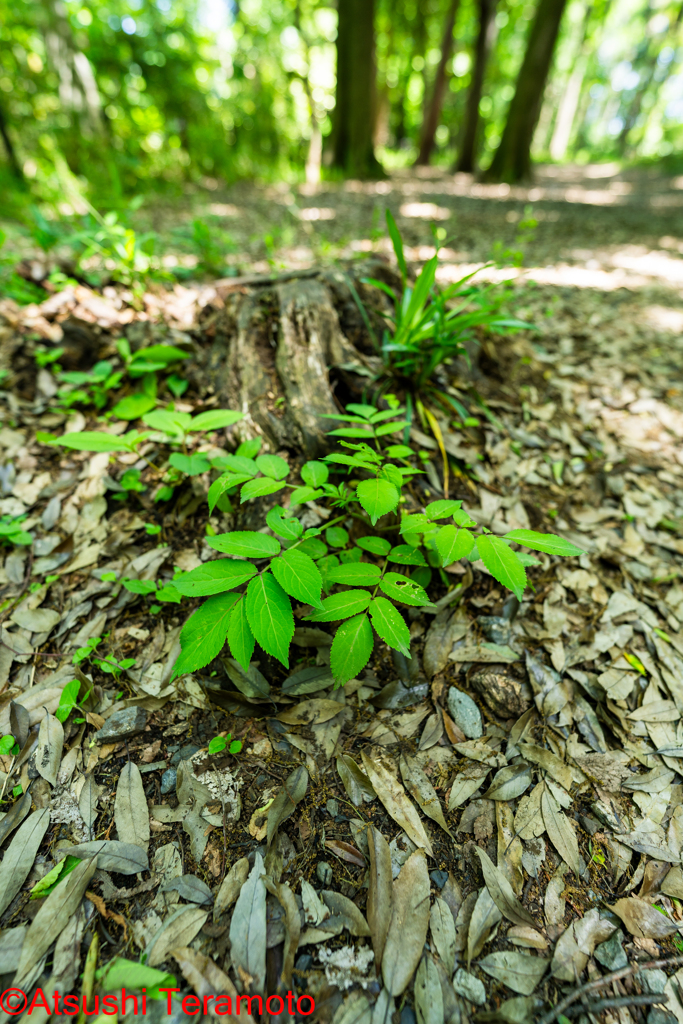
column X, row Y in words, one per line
column 503, row 693
column 332, row 806
column 408, row 1015
column 610, row 954
column 185, row 753
column 659, row 1016
column 304, row 962
column 324, row 872
column 469, row 987
column 495, row 629
column 439, row 878
column 653, row 981
column 122, row 724
column 168, row 781
column 465, row 713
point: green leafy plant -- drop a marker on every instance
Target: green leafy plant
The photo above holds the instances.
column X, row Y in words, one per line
column 249, row 593
column 219, row 743
column 69, row 701
column 12, row 532
column 8, row 745
column 108, row 665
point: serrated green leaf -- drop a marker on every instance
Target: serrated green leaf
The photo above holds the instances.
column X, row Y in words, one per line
column 133, row 406
column 324, row 566
column 453, row 543
column 298, row 575
column 350, row 555
column 361, row 409
column 269, row 612
column 300, row 495
column 391, row 428
column 341, row 606
column 223, row 484
column 502, row 563
column 314, row 474
column 139, row 586
column 191, row 465
column 203, row 635
column 351, row 432
column 214, row 577
column 259, row 488
column 375, row 545
column 417, row 523
column 215, row 419
column 168, row 421
column 377, row 497
column 360, row 574
column 390, row 625
column 245, row 543
column 240, row 637
column 351, row 648
column 442, row 509
column 272, row 466
column 400, row 588
column 236, row 464
column 283, row 525
column 546, row 542
column 404, row 554
column 92, row 441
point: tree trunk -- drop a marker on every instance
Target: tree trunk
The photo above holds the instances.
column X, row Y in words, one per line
column 512, row 159
column 433, row 110
column 568, row 105
column 487, row 30
column 354, row 111
column 291, row 348
column 12, row 159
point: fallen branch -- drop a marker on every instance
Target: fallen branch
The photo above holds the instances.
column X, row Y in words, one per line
column 607, row 979
column 617, row 1001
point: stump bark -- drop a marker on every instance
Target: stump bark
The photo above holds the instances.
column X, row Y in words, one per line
column 288, row 351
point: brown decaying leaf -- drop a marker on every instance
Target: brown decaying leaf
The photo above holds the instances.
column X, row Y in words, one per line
column 518, row 971
column 230, row 887
column 485, row 918
column 15, row 816
column 287, row 900
column 501, row 892
column 347, row 852
column 50, row 746
column 293, row 790
column 53, row 916
column 378, row 907
column 248, row 926
column 643, row 920
column 442, row 927
column 207, row 979
column 130, row 809
column 102, row 909
column 422, row 791
column 560, row 832
column 408, row 925
column 177, row 930
column 428, row 996
column 356, row 782
column 308, row 712
column 397, row 804
column 18, row 860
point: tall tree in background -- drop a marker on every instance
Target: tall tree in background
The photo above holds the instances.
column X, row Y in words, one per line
column 12, row 159
column 512, row 159
column 433, row 108
column 566, row 111
column 485, row 36
column 354, row 111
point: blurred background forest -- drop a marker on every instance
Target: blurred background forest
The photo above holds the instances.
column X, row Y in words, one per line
column 108, row 103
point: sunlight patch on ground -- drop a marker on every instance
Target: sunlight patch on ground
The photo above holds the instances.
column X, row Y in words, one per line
column 317, row 213
column 664, row 318
column 426, row 211
column 224, row 210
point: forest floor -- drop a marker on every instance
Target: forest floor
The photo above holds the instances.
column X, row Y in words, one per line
column 545, row 740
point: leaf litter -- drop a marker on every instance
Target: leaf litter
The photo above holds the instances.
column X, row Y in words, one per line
column 469, row 842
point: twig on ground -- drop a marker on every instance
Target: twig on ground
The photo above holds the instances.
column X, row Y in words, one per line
column 607, row 979
column 617, row 1001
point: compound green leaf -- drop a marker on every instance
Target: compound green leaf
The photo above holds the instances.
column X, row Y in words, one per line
column 377, row 497
column 546, row 542
column 283, row 525
column 351, row 648
column 214, row 577
column 453, row 543
column 390, row 625
column 404, row 554
column 203, row 635
column 245, row 543
column 417, row 523
column 272, row 466
column 258, row 488
column 337, row 537
column 269, row 613
column 400, row 588
column 215, row 419
column 341, row 606
column 442, row 509
column 314, row 547
column 300, row 495
column 358, row 574
column 237, row 464
column 324, row 565
column 502, row 563
column 375, row 545
column 240, row 636
column 168, row 422
column 298, row 575
column 314, row 473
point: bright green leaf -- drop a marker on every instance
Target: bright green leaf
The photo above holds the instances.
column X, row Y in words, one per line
column 314, row 473
column 269, row 612
column 341, row 606
column 400, row 588
column 259, row 488
column 375, row 545
column 223, row 484
column 442, row 509
column 240, row 636
column 453, row 543
column 546, row 542
column 245, row 543
column 203, row 635
column 337, row 537
column 377, row 497
column 390, row 625
column 191, row 465
column 351, row 649
column 214, row 577
column 215, row 419
column 404, row 554
column 298, row 575
column 272, row 466
column 502, row 563
column 360, row 574
column 283, row 525
column 314, row 547
column 93, row 441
